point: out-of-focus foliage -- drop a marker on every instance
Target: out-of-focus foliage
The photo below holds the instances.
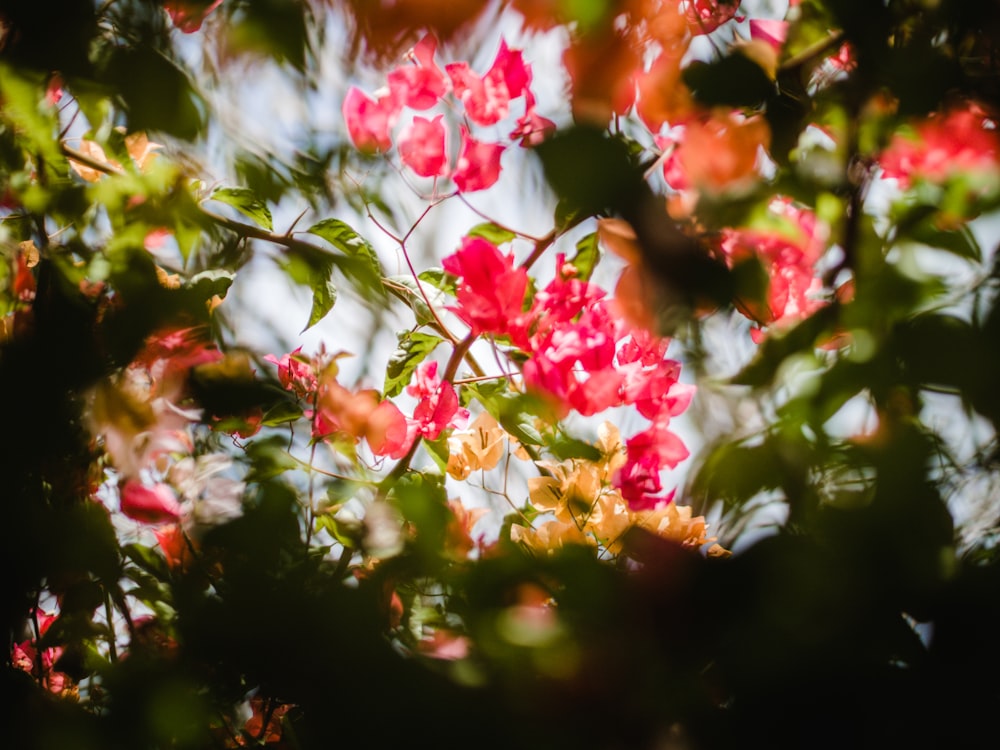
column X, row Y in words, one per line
column 209, row 546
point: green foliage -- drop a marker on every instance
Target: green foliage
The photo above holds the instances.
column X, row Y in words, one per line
column 312, row 581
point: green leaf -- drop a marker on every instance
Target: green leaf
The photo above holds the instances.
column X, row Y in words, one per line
column 412, row 350
column 210, row 283
column 324, row 294
column 343, row 237
column 316, row 271
column 588, row 253
column 565, row 447
column 412, row 294
column 959, row 241
column 248, row 204
column 439, row 279
column 491, row 232
column 268, row 458
column 421, row 499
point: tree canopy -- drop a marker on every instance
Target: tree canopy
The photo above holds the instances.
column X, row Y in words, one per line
column 641, row 397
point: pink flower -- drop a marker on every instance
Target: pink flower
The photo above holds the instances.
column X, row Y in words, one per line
column 769, row 30
column 422, row 147
column 639, row 483
column 478, row 165
column 705, row 16
column 188, row 15
column 532, row 128
column 151, row 505
column 419, row 86
column 491, row 291
column 436, row 411
column 961, row 140
column 388, row 432
column 487, row 99
column 295, row 372
column 425, row 380
column 370, row 121
column 659, row 443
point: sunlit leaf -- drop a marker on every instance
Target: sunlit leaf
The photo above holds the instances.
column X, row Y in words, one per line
column 413, row 348
column 244, row 201
column 492, row 232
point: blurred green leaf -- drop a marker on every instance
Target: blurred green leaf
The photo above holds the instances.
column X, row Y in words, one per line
column 413, row 348
column 248, row 204
column 492, row 233
column 588, row 253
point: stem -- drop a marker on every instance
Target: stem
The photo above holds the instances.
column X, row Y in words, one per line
column 457, row 355
column 812, row 51
column 311, row 517
column 109, row 614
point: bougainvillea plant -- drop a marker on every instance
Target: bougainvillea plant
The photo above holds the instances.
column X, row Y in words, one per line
column 684, row 455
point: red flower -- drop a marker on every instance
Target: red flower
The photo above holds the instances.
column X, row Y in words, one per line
column 423, row 147
column 188, row 15
column 419, row 86
column 491, row 291
column 487, row 99
column 369, row 121
column 151, row 505
column 478, row 165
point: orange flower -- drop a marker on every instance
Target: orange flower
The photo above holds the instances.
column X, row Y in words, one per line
column 722, row 152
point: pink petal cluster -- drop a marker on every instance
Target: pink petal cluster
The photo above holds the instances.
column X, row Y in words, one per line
column 152, row 504
column 705, row 16
column 961, row 140
column 789, row 255
column 144, row 414
column 491, row 290
column 189, row 15
column 423, row 143
column 580, row 353
column 438, row 407
column 25, row 657
column 296, row 372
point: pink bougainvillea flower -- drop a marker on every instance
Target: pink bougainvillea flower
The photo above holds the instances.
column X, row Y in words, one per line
column 658, row 442
column 769, row 30
column 369, row 121
column 788, row 249
column 639, row 483
column 189, row 15
column 722, row 152
column 491, row 290
column 438, row 405
column 436, row 412
column 478, row 165
column 343, row 412
column 961, row 140
column 705, row 16
column 426, row 381
column 531, row 128
column 423, row 147
column 422, row 85
column 152, row 505
column 388, row 432
column 295, row 372
column 487, row 98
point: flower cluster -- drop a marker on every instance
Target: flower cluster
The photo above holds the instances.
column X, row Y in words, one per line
column 144, row 417
column 587, row 509
column 580, row 353
column 339, row 413
column 788, row 243
column 423, row 143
